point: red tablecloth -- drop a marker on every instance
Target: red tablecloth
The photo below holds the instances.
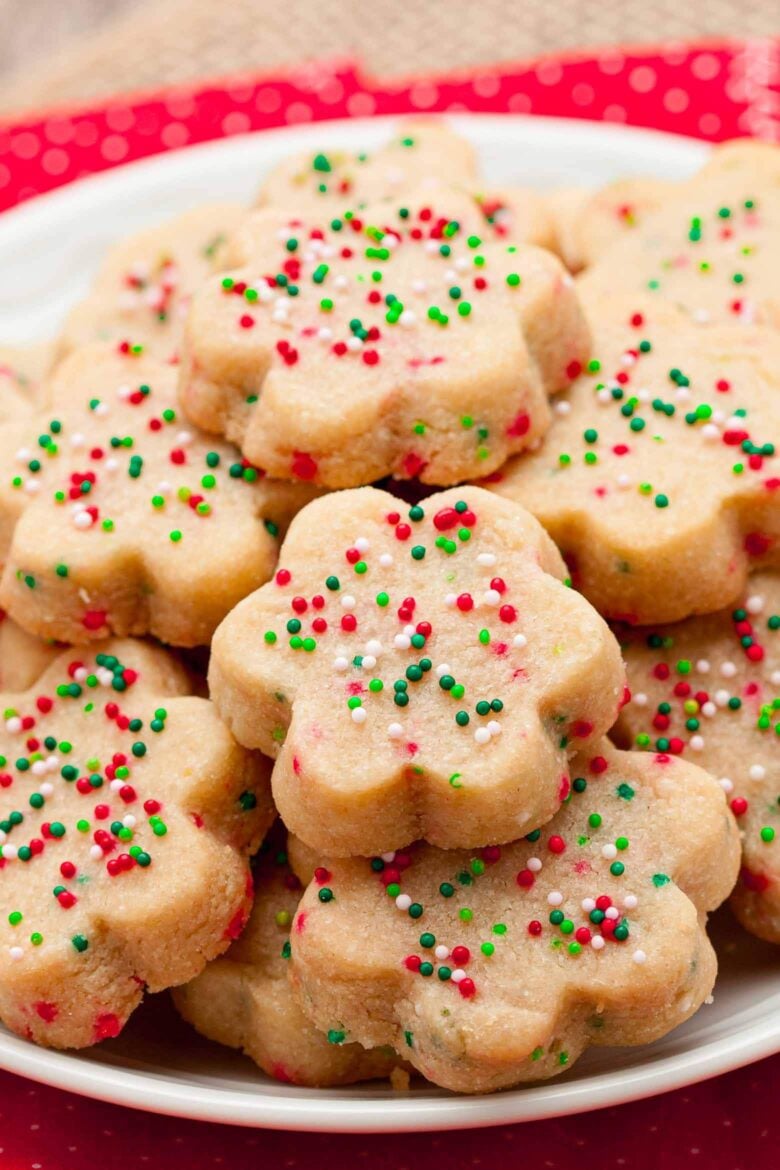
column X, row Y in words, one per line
column 716, row 90
column 730, row 1123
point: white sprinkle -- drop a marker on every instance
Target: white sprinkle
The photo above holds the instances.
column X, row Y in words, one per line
column 562, row 407
column 494, row 727
column 756, row 772
column 348, row 601
column 639, row 957
column 450, row 599
column 482, row 735
column 630, row 901
column 443, row 669
column 726, row 784
column 755, row 603
column 486, row 559
column 362, row 545
column 519, row 641
column 534, row 864
column 402, row 641
column 16, row 953
column 410, row 629
column 588, row 904
column 697, row 743
column 82, row 519
column 388, row 857
column 13, row 724
column 96, row 852
column 609, row 851
column 395, row 730
column 612, row 912
column 442, row 953
column 709, row 709
column 403, row 901
column 373, row 647
column 340, row 663
column 492, row 597
column 722, row 698
column 359, row 715
column 554, row 898
column 115, row 785
column 728, row 670
column 458, row 975
column 10, row 852
column 640, row 699
column 129, row 821
column 369, row 662
column 597, row 942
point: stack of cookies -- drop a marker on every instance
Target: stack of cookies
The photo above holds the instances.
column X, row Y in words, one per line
column 438, row 509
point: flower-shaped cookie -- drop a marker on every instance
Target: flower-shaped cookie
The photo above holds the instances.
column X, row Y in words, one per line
column 659, row 480
column 127, row 814
column 23, row 658
column 588, row 222
column 711, row 247
column 145, row 283
column 710, row 688
column 393, row 340
column 491, row 968
column 333, row 181
column 117, row 516
column 22, row 371
column 418, row 672
column 244, row 998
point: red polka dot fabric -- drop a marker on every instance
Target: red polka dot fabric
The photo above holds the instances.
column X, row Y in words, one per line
column 714, row 91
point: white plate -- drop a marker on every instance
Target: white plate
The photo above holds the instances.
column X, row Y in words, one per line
column 48, row 251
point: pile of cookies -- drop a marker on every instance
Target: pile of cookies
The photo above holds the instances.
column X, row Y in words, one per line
column 474, row 497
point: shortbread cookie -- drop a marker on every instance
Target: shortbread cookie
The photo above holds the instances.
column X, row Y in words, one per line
column 417, row 672
column 144, row 285
column 396, row 342
column 519, row 215
column 710, row 688
column 23, row 658
column 128, row 812
column 711, row 248
column 244, row 998
column 486, row 970
column 22, row 371
column 588, row 222
column 659, row 480
column 117, row 516
column 422, row 151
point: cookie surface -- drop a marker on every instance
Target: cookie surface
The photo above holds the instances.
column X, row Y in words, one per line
column 244, row 999
column 587, row 223
column 144, row 285
column 116, row 516
column 416, row 673
column 23, row 369
column 492, row 969
column 127, row 814
column 659, row 479
column 712, row 246
column 23, row 658
column 421, row 151
column 709, row 688
column 396, row 341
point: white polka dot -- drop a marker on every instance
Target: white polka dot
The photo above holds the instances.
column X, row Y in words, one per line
column 120, row 118
column 676, row 100
column 520, row 103
column 58, row 131
column 486, row 86
column 54, row 161
column 25, row 145
column 182, row 106
column 611, row 62
column 174, row 135
column 549, row 72
column 709, row 124
column 423, row 95
column 582, row 94
column 615, row 113
column 85, row 134
column 235, row 122
column 705, row 66
column 114, row 148
column 361, row 105
column 642, row 79
column 298, row 112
